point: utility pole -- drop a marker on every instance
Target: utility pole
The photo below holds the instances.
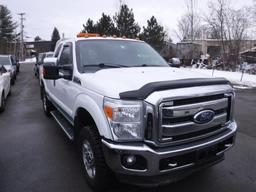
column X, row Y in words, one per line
column 21, row 53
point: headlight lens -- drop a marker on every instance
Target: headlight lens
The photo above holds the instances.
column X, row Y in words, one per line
column 125, row 119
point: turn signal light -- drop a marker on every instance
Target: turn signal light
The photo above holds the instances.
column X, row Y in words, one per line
column 108, row 111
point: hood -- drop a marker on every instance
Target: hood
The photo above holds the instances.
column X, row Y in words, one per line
column 111, row 82
column 8, row 67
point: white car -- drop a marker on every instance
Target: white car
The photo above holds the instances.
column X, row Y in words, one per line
column 5, row 86
column 10, row 65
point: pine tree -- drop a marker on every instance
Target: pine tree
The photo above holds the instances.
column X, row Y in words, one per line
column 125, row 22
column 7, row 27
column 90, row 27
column 105, row 26
column 154, row 34
column 55, row 38
column 37, row 38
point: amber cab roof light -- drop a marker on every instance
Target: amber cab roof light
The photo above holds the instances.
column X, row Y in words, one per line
column 85, row 35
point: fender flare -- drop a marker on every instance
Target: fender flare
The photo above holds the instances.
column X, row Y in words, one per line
column 94, row 109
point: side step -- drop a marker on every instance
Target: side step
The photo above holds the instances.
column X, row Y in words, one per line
column 64, row 124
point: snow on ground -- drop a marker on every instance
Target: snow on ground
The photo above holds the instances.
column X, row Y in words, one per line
column 234, row 77
column 29, row 60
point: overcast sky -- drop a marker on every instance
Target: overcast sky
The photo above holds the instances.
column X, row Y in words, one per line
column 68, row 16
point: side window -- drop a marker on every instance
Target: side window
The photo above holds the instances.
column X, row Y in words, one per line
column 57, row 50
column 66, row 55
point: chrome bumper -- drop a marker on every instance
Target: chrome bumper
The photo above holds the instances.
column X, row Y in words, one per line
column 153, row 156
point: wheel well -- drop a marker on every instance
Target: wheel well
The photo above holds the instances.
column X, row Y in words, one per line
column 82, row 118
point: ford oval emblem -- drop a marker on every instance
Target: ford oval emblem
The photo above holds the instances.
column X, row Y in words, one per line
column 204, row 116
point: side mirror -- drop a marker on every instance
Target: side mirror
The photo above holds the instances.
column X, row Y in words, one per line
column 54, row 72
column 51, row 72
column 2, row 70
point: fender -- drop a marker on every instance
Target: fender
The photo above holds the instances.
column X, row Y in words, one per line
column 86, row 102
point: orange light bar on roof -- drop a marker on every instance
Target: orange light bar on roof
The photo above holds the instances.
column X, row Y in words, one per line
column 88, row 35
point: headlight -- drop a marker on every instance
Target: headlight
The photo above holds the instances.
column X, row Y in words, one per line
column 125, row 119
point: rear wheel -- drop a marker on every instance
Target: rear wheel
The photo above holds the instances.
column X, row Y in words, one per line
column 47, row 105
column 97, row 173
column 12, row 81
column 2, row 108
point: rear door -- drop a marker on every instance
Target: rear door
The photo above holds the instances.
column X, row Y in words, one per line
column 50, row 84
column 6, row 81
column 63, row 87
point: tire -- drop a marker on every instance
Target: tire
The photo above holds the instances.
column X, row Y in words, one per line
column 12, row 81
column 10, row 92
column 100, row 177
column 2, row 108
column 47, row 105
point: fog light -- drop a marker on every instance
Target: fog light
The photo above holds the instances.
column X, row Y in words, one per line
column 135, row 162
column 130, row 160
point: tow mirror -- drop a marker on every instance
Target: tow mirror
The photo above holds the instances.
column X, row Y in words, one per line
column 51, row 72
column 54, row 72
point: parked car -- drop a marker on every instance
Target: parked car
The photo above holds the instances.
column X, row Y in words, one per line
column 16, row 60
column 5, row 86
column 174, row 62
column 40, row 61
column 10, row 65
column 133, row 116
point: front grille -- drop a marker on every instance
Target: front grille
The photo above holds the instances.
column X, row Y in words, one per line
column 177, row 124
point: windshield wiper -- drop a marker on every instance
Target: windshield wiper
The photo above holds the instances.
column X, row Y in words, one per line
column 105, row 65
column 149, row 65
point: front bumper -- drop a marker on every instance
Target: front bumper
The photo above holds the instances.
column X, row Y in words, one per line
column 163, row 162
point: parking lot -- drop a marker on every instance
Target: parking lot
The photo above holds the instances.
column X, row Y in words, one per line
column 35, row 155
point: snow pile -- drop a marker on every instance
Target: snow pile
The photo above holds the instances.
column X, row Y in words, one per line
column 29, row 60
column 234, row 77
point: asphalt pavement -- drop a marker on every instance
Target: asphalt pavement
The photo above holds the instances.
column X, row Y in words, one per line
column 35, row 155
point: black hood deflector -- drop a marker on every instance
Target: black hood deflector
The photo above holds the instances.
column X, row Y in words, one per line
column 149, row 88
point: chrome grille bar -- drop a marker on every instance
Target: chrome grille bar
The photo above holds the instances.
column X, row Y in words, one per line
column 176, row 121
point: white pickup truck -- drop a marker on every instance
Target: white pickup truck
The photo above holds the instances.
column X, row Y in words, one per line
column 5, row 87
column 132, row 115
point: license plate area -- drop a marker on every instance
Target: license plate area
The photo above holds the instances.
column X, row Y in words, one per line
column 198, row 157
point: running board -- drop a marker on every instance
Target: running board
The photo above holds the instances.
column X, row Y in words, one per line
column 64, row 124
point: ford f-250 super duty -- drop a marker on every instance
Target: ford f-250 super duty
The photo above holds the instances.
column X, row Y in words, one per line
column 132, row 115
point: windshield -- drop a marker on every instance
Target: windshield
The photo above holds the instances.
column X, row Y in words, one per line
column 122, row 53
column 5, row 61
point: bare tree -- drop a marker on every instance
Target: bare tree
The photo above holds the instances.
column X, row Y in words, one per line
column 230, row 27
column 189, row 25
column 237, row 23
column 216, row 21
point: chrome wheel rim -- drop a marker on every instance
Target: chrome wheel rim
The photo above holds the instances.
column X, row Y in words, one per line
column 88, row 159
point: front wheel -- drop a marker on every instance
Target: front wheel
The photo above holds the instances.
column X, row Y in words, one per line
column 97, row 173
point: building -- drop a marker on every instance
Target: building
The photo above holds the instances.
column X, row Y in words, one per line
column 249, row 55
column 189, row 50
column 37, row 46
